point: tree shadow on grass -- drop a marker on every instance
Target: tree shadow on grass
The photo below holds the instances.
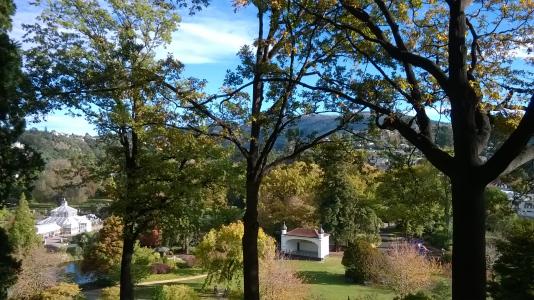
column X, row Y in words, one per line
column 322, row 277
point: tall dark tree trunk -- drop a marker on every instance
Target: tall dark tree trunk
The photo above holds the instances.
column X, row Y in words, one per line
column 469, row 246
column 130, row 148
column 250, row 241
column 126, row 280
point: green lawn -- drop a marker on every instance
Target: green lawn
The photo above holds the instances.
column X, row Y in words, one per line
column 177, row 273
column 326, row 281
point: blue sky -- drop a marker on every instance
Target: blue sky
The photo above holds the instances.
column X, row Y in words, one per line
column 206, row 43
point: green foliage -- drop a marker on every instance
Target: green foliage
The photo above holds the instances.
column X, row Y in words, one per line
column 514, row 268
column 498, row 207
column 442, row 290
column 102, row 256
column 22, row 232
column 417, row 197
column 63, row 291
column 416, row 296
column 111, row 293
column 220, row 252
column 142, row 260
column 171, row 292
column 9, row 266
column 346, row 193
column 18, row 162
column 358, row 259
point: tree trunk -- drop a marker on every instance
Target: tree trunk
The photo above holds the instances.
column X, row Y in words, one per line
column 469, row 246
column 126, row 280
column 250, row 242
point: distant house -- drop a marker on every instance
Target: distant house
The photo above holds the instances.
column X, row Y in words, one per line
column 305, row 242
column 526, row 209
column 68, row 221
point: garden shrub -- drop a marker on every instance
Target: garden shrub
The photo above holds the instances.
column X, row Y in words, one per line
column 189, row 260
column 417, row 296
column 159, row 268
column 62, row 291
column 358, row 259
column 514, row 269
column 111, row 293
column 279, row 280
column 173, row 292
column 75, row 251
column 142, row 260
column 406, row 271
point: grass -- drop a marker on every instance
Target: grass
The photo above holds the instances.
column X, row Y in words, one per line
column 147, row 292
column 177, row 273
column 327, row 281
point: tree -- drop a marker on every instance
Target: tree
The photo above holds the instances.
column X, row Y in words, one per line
column 18, row 162
column 103, row 257
column 22, row 232
column 106, row 250
column 359, row 260
column 254, row 122
column 9, row 265
column 417, row 198
column 346, row 193
column 498, row 207
column 220, row 252
column 114, row 79
column 453, row 56
column 287, row 194
column 515, row 266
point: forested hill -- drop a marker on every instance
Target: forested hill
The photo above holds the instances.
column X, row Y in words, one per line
column 54, row 145
column 67, row 157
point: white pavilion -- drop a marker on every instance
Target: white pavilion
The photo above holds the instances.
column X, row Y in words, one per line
column 65, row 220
column 305, row 242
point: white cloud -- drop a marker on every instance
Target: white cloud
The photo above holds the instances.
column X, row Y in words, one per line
column 523, row 52
column 209, row 40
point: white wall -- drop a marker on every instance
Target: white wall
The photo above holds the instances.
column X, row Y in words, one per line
column 319, row 246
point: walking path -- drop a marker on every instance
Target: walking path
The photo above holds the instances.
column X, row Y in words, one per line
column 172, row 280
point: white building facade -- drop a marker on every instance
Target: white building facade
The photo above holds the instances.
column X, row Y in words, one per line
column 304, row 242
column 68, row 221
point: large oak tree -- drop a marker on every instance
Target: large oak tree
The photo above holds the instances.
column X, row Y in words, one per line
column 460, row 59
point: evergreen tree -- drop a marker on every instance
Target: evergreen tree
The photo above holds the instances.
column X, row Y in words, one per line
column 22, row 233
column 18, row 162
column 344, row 195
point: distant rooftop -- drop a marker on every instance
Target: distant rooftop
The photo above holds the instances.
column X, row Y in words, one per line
column 305, row 232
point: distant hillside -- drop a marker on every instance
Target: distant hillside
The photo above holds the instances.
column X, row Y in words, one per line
column 67, row 158
column 55, row 145
column 319, row 124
